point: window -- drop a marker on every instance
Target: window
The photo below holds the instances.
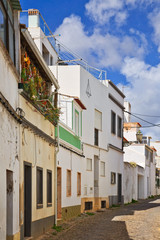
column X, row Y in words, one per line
column 2, row 25
column 113, row 178
column 68, row 183
column 97, row 119
column 76, row 122
column 119, row 128
column 103, row 204
column 88, row 205
column 78, row 184
column 96, row 137
column 49, row 188
column 39, row 187
column 113, row 122
column 7, row 28
column 102, row 164
column 89, row 164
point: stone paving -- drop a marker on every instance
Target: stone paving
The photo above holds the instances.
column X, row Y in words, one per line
column 136, row 221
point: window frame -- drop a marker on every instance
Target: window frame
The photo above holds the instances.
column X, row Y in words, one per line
column 49, row 185
column 8, row 22
column 113, row 124
column 119, row 128
column 39, row 204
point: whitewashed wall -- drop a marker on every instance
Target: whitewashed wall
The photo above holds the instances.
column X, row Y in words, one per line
column 9, row 139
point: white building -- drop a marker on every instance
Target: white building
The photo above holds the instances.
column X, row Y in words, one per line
column 156, row 145
column 9, row 119
column 140, row 156
column 70, row 158
column 101, row 128
column 101, row 135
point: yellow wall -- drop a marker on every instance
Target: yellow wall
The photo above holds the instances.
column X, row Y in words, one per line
column 39, row 153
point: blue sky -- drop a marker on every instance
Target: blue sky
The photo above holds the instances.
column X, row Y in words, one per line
column 119, row 36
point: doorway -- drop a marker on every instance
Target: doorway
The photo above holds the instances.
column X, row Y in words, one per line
column 27, row 199
column 59, row 207
column 9, row 202
column 119, row 188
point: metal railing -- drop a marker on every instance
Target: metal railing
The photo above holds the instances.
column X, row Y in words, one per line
column 65, row 54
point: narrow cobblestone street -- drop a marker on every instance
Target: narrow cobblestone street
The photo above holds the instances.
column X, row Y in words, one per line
column 137, row 221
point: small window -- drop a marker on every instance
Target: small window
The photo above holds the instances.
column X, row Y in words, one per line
column 102, row 164
column 49, row 188
column 119, row 128
column 103, row 204
column 97, row 119
column 88, row 205
column 68, row 183
column 89, row 164
column 96, row 137
column 39, row 187
column 78, row 184
column 113, row 178
column 113, row 122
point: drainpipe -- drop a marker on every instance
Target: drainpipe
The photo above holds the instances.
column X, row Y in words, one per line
column 55, row 162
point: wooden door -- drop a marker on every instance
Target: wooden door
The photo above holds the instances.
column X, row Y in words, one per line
column 59, row 210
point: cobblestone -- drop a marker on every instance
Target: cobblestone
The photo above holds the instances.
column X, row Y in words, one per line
column 138, row 221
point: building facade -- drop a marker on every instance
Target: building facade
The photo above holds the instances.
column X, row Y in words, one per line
column 39, row 115
column 70, row 158
column 9, row 119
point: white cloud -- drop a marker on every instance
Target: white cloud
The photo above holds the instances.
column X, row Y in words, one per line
column 154, row 18
column 99, row 50
column 102, row 11
column 143, row 91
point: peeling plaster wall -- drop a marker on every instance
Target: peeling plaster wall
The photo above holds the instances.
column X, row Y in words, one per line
column 9, row 158
column 9, row 139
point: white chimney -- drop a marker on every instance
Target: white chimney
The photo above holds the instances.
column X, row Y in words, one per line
column 127, row 116
column 33, row 18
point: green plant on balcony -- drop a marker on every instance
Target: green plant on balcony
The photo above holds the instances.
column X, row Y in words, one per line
column 37, row 89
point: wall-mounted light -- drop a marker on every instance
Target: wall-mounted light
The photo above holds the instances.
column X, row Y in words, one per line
column 20, row 112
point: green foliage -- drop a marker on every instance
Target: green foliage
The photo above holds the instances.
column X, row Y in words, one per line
column 90, row 213
column 57, row 228
column 134, row 201
column 151, row 197
column 38, row 89
column 115, row 205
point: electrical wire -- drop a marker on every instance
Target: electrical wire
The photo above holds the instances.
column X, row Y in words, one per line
column 152, row 124
column 144, row 115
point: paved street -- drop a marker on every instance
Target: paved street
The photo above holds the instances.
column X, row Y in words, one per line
column 138, row 221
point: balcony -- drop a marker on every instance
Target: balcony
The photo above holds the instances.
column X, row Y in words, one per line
column 37, row 89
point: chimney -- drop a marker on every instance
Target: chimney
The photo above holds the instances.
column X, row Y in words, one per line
column 33, row 18
column 127, row 117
